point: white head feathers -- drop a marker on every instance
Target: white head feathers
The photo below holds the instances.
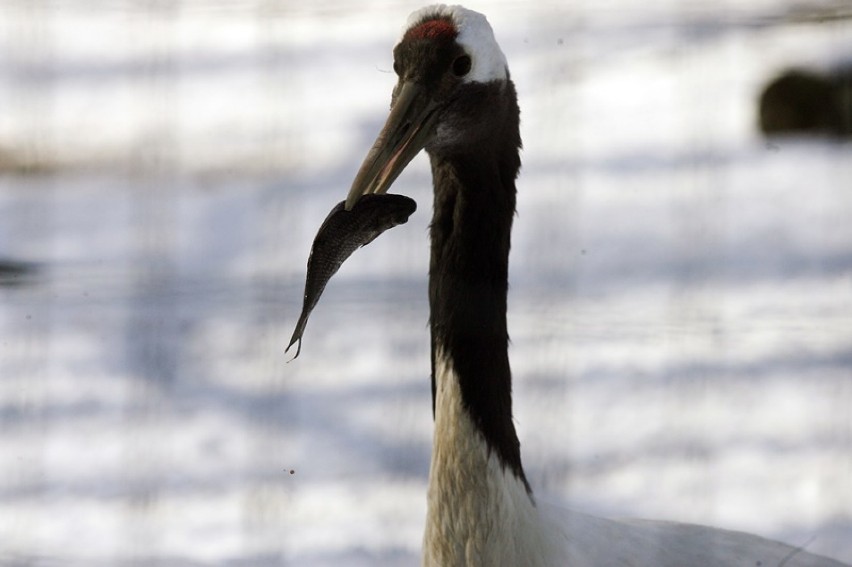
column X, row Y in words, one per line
column 476, row 37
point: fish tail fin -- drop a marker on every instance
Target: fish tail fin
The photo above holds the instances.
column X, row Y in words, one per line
column 298, row 348
column 297, row 336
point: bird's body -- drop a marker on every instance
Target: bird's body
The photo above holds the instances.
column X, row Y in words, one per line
column 454, row 97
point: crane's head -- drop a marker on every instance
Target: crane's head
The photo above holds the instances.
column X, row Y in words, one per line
column 451, row 73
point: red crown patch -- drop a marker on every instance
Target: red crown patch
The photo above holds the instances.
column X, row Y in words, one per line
column 432, row 29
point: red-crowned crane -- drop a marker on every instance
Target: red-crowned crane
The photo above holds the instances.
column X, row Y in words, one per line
column 454, row 98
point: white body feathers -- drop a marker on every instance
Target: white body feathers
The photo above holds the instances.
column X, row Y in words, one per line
column 480, row 515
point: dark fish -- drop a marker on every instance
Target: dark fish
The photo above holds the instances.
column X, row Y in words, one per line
column 340, row 235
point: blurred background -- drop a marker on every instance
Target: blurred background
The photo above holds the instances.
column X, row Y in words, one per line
column 680, row 309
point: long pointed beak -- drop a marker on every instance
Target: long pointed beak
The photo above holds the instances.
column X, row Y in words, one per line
column 407, row 130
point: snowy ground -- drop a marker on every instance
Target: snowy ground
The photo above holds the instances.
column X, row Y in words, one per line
column 681, row 302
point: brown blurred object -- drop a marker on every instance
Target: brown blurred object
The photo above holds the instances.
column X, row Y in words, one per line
column 808, row 102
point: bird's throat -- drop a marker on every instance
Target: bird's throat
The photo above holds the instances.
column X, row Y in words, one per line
column 468, row 281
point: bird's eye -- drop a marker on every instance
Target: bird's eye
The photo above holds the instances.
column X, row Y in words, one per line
column 396, row 67
column 461, row 66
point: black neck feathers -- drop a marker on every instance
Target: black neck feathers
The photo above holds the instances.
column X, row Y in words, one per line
column 474, row 205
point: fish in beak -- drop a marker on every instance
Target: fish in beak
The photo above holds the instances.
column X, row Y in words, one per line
column 409, row 127
column 341, row 234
